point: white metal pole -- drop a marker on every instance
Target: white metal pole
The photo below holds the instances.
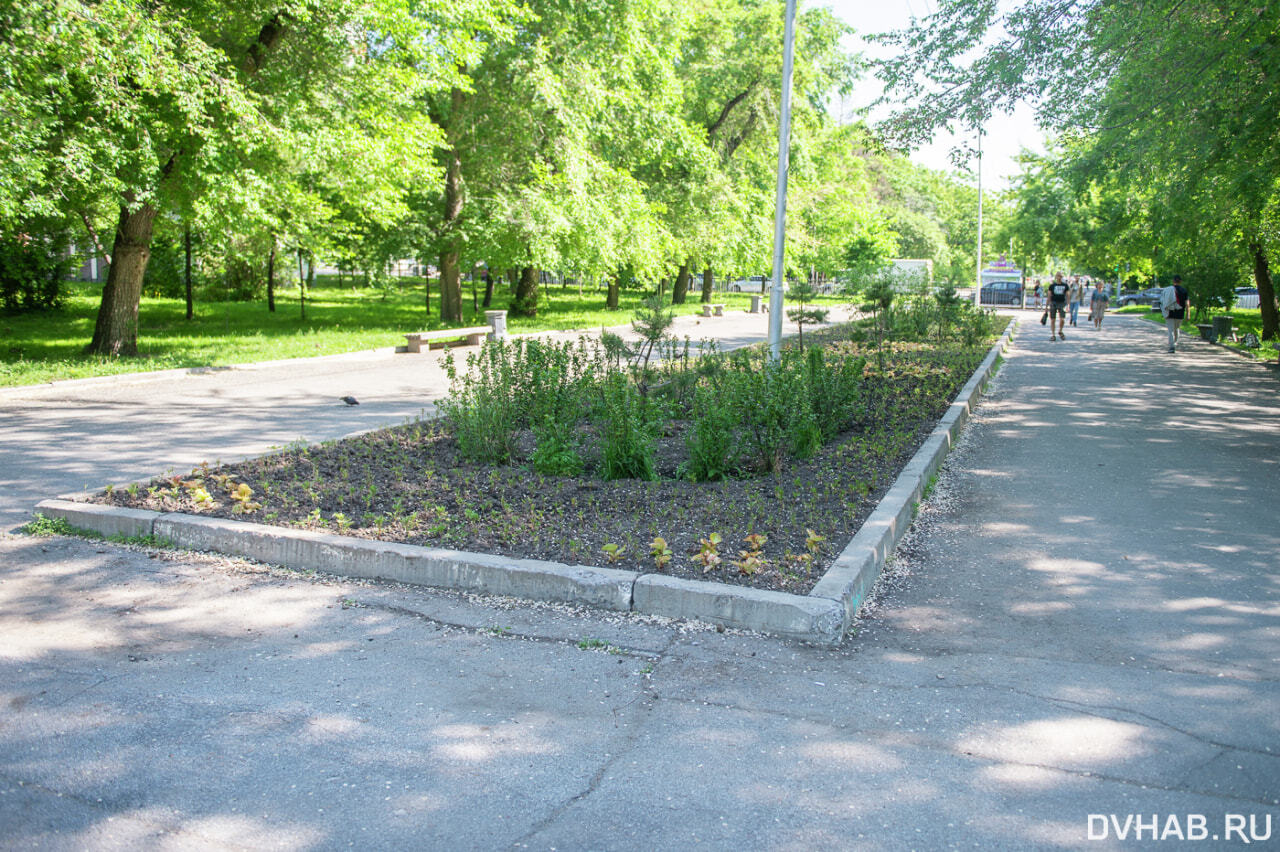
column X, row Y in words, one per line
column 977, row 291
column 780, row 211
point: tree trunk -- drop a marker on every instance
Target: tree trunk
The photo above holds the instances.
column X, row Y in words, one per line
column 525, row 303
column 1266, row 292
column 302, row 286
column 708, row 281
column 681, row 290
column 116, row 331
column 186, row 246
column 450, row 286
column 450, row 254
column 488, row 290
column 271, row 277
column 615, row 288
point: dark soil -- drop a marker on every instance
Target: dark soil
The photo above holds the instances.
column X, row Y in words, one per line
column 409, row 484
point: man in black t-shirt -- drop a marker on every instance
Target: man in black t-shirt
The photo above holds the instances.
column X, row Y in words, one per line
column 1058, row 291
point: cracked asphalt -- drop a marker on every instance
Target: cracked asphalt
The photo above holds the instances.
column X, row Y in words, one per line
column 1085, row 620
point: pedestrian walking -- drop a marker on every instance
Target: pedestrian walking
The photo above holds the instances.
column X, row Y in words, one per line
column 1073, row 299
column 1098, row 306
column 1058, row 292
column 1173, row 305
column 1035, row 294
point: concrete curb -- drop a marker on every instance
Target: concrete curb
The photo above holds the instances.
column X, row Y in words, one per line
column 822, row 617
column 858, row 566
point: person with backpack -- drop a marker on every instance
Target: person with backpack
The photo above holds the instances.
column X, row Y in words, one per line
column 1074, row 298
column 1173, row 305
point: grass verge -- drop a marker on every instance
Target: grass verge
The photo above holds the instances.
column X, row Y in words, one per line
column 47, row 346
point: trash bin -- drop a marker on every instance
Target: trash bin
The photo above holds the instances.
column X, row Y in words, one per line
column 1222, row 327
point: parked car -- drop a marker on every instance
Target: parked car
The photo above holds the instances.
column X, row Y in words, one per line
column 1247, row 297
column 1149, row 296
column 1001, row 293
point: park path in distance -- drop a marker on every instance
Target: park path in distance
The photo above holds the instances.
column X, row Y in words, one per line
column 1084, row 623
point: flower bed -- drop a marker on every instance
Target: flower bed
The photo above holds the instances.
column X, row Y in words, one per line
column 716, row 467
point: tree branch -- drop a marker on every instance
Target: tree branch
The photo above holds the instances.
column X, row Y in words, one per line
column 268, row 37
column 714, row 127
column 93, row 235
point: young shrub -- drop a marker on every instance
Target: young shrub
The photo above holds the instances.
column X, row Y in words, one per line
column 711, row 437
column 628, row 435
column 835, row 391
column 949, row 305
column 481, row 410
column 556, row 451
column 802, row 293
column 761, row 395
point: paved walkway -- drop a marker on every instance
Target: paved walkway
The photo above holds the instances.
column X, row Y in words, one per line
column 1086, row 620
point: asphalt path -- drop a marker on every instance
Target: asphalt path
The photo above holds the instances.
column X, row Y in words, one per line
column 1081, row 636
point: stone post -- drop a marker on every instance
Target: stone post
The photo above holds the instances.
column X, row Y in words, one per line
column 497, row 321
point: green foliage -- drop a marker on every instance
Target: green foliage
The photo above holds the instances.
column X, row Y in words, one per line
column 836, row 392
column 556, row 450
column 711, row 438
column 627, row 430
column 33, row 264
column 803, row 293
column 44, row 526
column 517, row 383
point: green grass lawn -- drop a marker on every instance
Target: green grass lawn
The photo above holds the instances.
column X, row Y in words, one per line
column 47, row 346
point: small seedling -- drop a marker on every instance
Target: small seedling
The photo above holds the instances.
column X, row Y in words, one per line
column 813, row 541
column 708, row 554
column 660, row 551
column 590, row 644
column 613, row 552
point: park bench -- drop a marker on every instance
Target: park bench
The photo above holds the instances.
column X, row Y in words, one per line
column 707, row 309
column 1221, row 328
column 473, row 334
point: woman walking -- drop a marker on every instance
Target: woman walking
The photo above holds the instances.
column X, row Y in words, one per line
column 1098, row 306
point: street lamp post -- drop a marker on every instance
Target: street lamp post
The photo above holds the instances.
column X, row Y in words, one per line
column 780, row 211
column 977, row 290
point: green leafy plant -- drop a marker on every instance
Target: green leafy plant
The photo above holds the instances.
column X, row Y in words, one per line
column 627, row 431
column 711, row 439
column 708, row 555
column 660, row 551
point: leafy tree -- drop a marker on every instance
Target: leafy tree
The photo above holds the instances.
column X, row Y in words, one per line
column 1174, row 100
column 141, row 108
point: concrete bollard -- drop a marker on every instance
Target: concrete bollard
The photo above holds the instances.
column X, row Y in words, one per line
column 755, row 304
column 497, row 321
